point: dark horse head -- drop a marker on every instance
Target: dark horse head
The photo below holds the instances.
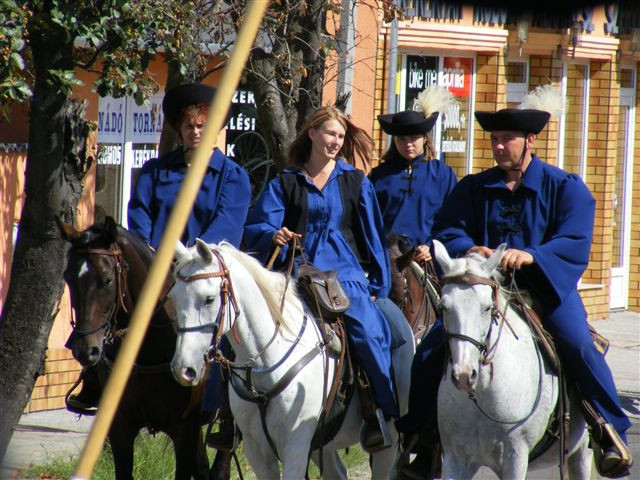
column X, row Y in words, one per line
column 411, row 285
column 106, row 268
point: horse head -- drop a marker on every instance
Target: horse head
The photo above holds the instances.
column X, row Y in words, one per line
column 469, row 296
column 96, row 277
column 200, row 291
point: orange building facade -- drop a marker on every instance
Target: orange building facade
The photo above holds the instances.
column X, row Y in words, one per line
column 488, row 58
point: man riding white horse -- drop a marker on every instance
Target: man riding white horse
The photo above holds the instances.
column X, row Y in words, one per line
column 545, row 216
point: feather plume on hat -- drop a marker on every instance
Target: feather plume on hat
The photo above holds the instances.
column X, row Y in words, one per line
column 546, row 98
column 435, row 98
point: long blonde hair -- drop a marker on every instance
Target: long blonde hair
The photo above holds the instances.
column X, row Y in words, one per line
column 356, row 140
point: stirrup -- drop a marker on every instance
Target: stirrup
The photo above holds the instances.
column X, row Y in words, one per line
column 614, row 460
column 375, row 435
column 75, row 405
column 226, row 440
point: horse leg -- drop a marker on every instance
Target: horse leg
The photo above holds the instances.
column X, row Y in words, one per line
column 581, row 461
column 262, row 460
column 221, row 468
column 453, row 469
column 122, row 441
column 191, row 456
column 382, row 462
column 332, row 466
column 515, row 463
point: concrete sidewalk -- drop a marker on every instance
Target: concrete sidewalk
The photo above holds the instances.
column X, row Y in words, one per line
column 41, row 435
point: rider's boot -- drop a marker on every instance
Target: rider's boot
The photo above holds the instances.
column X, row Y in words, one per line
column 612, row 455
column 86, row 401
column 374, row 435
column 427, row 463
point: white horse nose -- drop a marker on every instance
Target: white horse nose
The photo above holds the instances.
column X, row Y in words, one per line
column 464, row 379
column 185, row 376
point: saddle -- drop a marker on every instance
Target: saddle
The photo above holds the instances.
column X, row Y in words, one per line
column 323, row 290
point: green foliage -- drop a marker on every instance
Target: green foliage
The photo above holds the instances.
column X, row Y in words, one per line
column 115, row 39
column 154, row 459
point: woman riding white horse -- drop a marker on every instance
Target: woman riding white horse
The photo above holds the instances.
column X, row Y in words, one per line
column 220, row 290
column 496, row 399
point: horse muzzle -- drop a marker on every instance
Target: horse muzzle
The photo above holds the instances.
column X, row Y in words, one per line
column 186, row 376
column 464, row 379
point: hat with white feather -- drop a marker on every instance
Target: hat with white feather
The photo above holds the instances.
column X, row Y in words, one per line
column 531, row 116
column 422, row 118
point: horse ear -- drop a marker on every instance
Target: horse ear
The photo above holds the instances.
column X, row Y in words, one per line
column 442, row 257
column 204, row 251
column 110, row 228
column 494, row 260
column 181, row 251
column 68, row 232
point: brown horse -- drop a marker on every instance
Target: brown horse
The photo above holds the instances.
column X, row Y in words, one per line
column 414, row 288
column 106, row 269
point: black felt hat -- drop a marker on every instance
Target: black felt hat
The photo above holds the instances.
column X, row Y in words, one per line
column 408, row 122
column 183, row 96
column 513, row 119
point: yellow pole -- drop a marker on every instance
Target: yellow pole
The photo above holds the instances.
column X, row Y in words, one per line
column 175, row 226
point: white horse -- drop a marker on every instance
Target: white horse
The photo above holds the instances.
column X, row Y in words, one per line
column 220, row 288
column 496, row 398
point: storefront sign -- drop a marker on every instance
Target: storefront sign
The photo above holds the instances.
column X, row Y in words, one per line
column 111, row 119
column 144, row 123
column 456, row 75
column 243, row 117
column 141, row 123
column 421, row 72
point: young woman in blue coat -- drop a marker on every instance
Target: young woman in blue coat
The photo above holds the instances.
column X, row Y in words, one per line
column 327, row 203
column 411, row 185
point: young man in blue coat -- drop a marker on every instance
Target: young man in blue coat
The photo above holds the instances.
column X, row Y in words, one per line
column 545, row 216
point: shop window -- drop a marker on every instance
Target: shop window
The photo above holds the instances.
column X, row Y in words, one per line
column 451, row 135
column 627, row 79
column 574, row 123
column 517, row 82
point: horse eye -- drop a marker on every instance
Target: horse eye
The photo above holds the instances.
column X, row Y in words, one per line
column 209, row 301
column 106, row 281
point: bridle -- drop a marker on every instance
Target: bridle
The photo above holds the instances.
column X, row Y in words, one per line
column 228, row 299
column 488, row 351
column 472, row 279
column 121, row 287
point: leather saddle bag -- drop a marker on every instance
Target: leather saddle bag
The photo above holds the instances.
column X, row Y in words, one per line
column 322, row 288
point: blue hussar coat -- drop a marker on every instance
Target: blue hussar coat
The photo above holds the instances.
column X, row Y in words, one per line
column 411, row 202
column 220, row 208
column 326, row 247
column 551, row 216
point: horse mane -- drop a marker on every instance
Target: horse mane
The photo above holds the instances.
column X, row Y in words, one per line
column 271, row 284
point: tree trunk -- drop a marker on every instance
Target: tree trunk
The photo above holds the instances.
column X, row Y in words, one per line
column 56, row 164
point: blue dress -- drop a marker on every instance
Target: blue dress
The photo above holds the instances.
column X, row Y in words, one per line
column 411, row 202
column 327, row 249
column 219, row 212
column 220, row 208
column 551, row 216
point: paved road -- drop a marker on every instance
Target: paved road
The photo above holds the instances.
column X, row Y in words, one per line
column 44, row 434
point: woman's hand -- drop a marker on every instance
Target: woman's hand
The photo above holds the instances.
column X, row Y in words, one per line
column 422, row 254
column 282, row 236
column 482, row 250
column 514, row 258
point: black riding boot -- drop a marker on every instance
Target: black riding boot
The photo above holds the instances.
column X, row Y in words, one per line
column 227, row 436
column 427, row 463
column 85, row 402
column 372, row 436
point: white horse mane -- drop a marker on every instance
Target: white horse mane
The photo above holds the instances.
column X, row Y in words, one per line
column 271, row 284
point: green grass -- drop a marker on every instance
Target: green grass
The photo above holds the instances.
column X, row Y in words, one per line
column 154, row 459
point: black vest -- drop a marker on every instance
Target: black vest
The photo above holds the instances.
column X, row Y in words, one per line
column 297, row 207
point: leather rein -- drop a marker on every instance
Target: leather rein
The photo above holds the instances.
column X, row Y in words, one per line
column 488, row 351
